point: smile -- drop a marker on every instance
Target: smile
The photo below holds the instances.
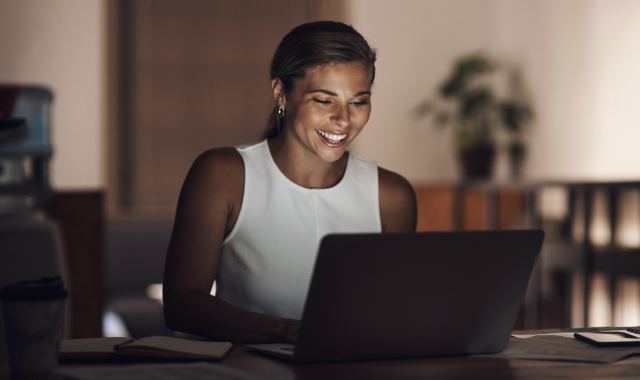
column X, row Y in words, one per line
column 332, row 137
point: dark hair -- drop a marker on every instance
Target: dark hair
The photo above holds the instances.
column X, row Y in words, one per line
column 311, row 45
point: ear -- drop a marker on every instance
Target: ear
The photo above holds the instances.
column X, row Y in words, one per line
column 278, row 93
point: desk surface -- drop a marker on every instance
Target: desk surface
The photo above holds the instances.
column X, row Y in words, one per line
column 427, row 368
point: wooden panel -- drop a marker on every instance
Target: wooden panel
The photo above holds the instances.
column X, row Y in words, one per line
column 81, row 219
column 474, row 210
column 512, row 208
column 195, row 77
column 435, row 208
column 480, row 208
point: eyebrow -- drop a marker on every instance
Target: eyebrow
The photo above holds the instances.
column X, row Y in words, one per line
column 334, row 94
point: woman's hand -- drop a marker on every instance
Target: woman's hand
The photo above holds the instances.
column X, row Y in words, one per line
column 289, row 330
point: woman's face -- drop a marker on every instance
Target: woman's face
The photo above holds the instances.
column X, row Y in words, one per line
column 328, row 108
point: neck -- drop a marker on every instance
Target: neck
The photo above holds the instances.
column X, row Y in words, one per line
column 303, row 167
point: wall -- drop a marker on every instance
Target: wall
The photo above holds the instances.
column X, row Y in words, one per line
column 578, row 58
column 549, row 39
column 60, row 44
column 416, row 41
column 615, row 51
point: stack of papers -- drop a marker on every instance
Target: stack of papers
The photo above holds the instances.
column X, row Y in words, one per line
column 558, row 347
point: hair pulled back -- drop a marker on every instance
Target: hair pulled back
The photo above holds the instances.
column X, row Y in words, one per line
column 311, row 45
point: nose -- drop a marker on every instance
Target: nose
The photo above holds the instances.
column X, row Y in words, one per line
column 341, row 116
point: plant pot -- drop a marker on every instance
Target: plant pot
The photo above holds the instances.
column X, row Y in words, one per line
column 477, row 162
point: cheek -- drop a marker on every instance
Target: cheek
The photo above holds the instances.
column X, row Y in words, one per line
column 361, row 117
column 310, row 116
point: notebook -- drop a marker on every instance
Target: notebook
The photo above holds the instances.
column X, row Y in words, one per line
column 153, row 346
column 405, row 295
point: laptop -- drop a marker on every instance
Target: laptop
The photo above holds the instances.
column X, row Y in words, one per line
column 407, row 295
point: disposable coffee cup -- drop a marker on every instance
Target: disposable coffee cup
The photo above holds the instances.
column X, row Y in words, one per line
column 33, row 318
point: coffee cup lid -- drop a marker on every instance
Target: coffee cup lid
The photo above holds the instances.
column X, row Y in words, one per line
column 47, row 288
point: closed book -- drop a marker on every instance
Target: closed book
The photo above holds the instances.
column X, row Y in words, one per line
column 153, row 346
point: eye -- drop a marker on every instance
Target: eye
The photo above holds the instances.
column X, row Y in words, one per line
column 322, row 101
column 360, row 103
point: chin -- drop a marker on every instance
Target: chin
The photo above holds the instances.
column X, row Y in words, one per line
column 333, row 156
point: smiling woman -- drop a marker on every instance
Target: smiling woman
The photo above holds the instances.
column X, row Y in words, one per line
column 327, row 110
column 251, row 218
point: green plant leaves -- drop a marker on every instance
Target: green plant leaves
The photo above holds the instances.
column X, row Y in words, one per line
column 470, row 105
column 470, row 135
column 476, row 102
column 465, row 70
column 514, row 115
column 517, row 151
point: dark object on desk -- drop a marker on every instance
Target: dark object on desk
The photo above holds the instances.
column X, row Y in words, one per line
column 402, row 295
column 608, row 338
column 33, row 314
column 45, row 289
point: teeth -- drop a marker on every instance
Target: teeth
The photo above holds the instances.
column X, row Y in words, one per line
column 332, row 137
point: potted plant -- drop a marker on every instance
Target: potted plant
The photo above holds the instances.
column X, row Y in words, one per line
column 467, row 101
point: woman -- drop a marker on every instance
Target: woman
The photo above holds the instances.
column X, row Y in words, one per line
column 252, row 218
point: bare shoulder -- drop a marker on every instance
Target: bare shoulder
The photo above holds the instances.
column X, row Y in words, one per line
column 220, row 167
column 211, row 195
column 394, row 183
column 216, row 175
column 398, row 207
column 219, row 162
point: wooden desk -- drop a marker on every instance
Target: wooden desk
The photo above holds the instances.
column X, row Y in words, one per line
column 428, row 368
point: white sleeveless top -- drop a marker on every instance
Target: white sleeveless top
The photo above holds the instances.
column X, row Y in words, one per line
column 268, row 257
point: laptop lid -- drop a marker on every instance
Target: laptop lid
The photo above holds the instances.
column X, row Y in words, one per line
column 401, row 295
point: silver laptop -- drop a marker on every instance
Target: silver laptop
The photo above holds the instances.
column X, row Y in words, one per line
column 404, row 295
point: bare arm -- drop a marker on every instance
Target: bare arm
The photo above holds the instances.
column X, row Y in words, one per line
column 208, row 207
column 398, row 206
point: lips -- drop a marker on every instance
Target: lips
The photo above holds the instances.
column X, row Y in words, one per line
column 332, row 139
